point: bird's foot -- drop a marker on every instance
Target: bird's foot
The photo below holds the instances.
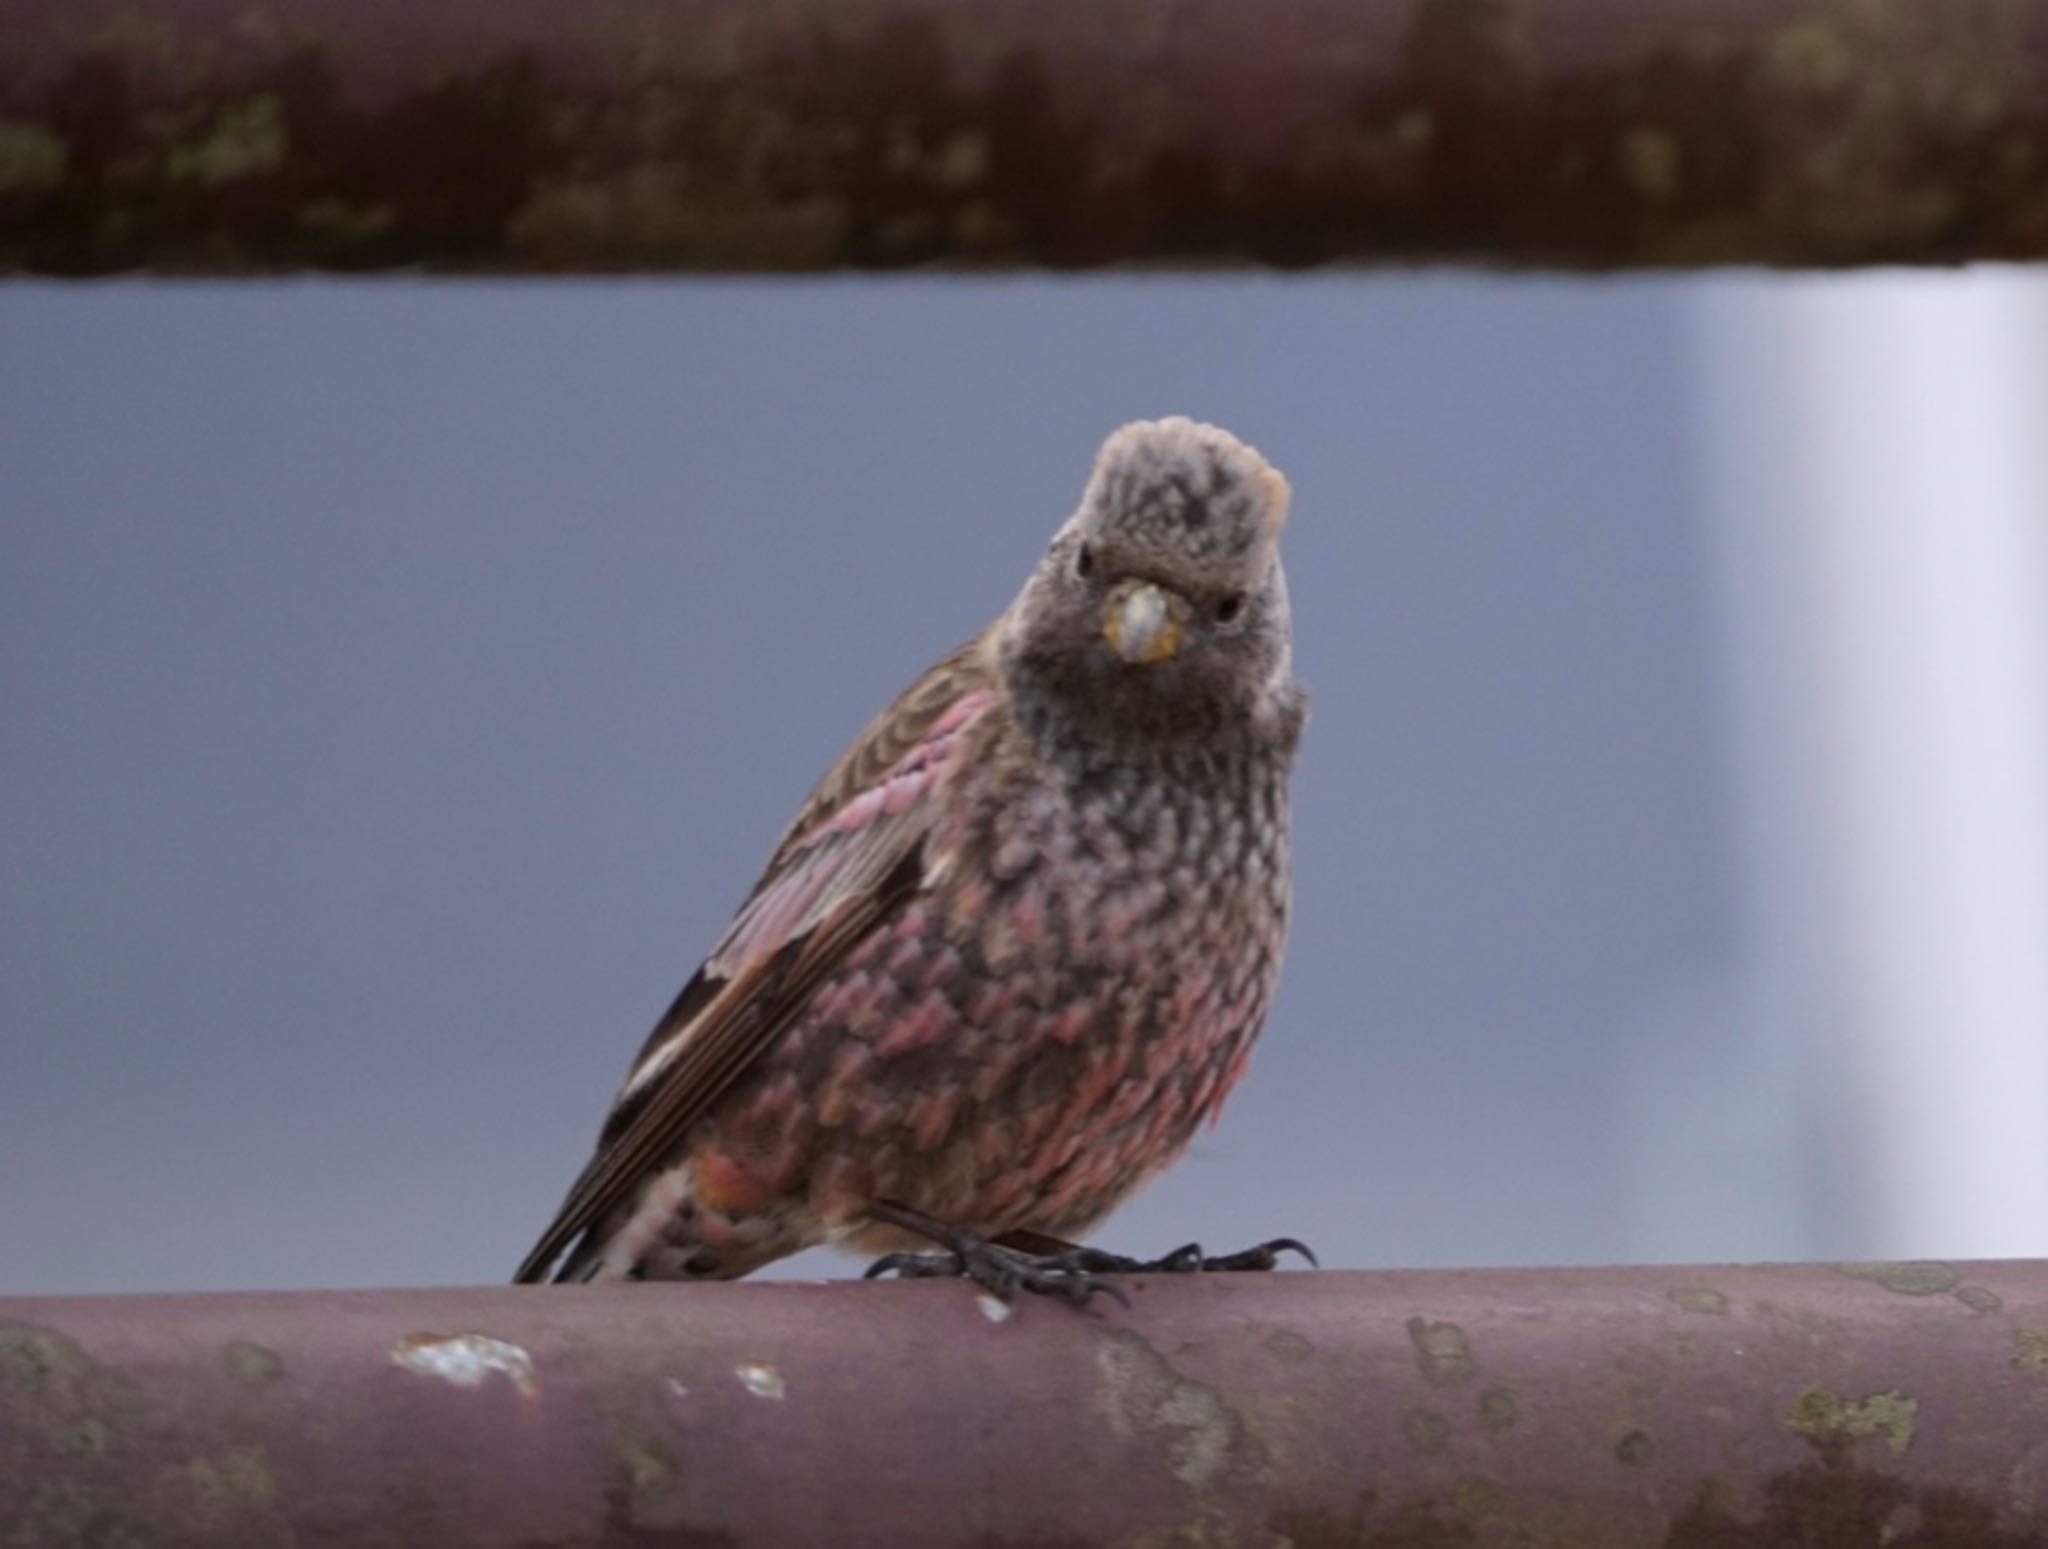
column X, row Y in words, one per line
column 1187, row 1259
column 998, row 1268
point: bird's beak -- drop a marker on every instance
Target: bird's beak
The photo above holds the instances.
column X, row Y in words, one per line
column 1141, row 623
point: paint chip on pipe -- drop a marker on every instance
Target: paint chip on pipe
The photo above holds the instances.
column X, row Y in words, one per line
column 465, row 1359
column 761, row 1379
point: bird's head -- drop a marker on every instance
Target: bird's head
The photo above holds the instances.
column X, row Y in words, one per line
column 1161, row 606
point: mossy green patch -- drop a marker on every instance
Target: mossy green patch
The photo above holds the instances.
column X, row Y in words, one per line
column 243, row 140
column 2030, row 1350
column 31, row 159
column 1825, row 1416
column 1697, row 1298
column 1921, row 1277
column 1498, row 1410
column 1441, row 1351
column 1426, row 1430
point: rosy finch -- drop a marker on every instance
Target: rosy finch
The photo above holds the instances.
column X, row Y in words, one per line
column 1019, row 940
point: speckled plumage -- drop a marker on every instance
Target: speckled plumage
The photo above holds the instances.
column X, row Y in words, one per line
column 1019, row 941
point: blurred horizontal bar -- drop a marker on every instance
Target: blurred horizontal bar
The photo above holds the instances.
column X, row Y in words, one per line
column 1692, row 1408
column 254, row 136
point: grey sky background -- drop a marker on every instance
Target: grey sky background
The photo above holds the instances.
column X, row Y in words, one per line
column 401, row 683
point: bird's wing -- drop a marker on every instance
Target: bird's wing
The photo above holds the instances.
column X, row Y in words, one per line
column 856, row 851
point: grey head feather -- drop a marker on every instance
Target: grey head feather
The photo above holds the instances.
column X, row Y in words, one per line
column 1185, row 500
column 1191, row 515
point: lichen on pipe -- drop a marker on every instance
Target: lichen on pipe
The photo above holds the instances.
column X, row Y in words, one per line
column 1692, row 1408
column 238, row 136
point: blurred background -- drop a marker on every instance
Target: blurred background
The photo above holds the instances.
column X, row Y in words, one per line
column 400, row 685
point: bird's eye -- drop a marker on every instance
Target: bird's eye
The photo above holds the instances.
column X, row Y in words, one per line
column 1084, row 562
column 1229, row 608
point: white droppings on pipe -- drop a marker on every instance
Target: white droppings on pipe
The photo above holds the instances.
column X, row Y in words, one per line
column 994, row 1308
column 761, row 1379
column 465, row 1359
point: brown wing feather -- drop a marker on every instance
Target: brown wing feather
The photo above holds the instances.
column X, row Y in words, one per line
column 884, row 741
column 823, row 892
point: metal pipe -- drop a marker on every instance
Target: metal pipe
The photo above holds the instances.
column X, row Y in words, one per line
column 241, row 136
column 1684, row 1407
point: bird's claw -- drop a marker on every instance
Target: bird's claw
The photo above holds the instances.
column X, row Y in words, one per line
column 1001, row 1271
column 1034, row 1261
column 1188, row 1259
column 1260, row 1256
column 1046, row 1267
column 915, row 1266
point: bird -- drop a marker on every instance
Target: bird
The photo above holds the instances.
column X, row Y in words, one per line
column 1018, row 942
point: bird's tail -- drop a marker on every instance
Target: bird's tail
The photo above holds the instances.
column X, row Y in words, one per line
column 666, row 1233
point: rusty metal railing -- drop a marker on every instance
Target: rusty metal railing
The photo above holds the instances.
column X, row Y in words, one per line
column 1695, row 1408
column 236, row 136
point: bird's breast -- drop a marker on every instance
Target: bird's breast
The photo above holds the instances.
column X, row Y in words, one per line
column 1170, row 886
column 1049, row 1021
